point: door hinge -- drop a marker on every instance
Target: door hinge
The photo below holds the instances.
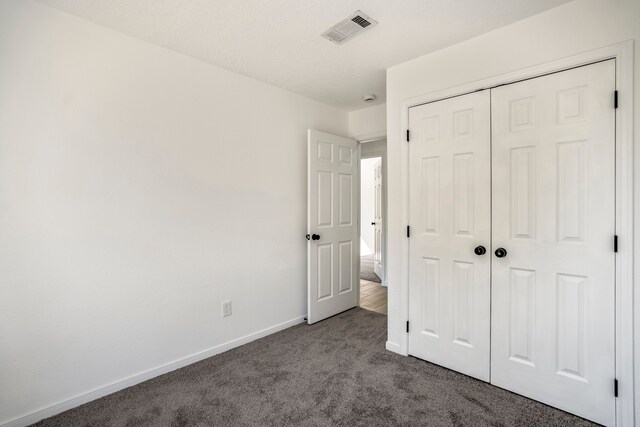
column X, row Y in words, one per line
column 615, row 99
column 408, row 231
column 408, row 329
column 615, row 387
column 407, row 135
column 615, row 243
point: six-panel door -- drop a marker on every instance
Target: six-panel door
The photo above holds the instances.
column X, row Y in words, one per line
column 553, row 213
column 332, row 225
column 378, row 220
column 449, row 288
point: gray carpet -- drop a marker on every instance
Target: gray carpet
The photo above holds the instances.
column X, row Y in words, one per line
column 366, row 269
column 336, row 372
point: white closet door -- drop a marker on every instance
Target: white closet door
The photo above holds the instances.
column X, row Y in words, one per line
column 332, row 225
column 553, row 213
column 377, row 220
column 449, row 289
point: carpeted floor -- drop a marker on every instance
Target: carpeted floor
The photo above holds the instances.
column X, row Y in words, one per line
column 366, row 269
column 336, row 372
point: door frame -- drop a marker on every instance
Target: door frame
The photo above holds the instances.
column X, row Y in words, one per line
column 383, row 155
column 624, row 263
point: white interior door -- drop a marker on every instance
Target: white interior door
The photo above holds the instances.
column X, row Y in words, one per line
column 377, row 220
column 332, row 225
column 553, row 213
column 449, row 284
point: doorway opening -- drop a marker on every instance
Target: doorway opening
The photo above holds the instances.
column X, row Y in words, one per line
column 373, row 290
column 334, row 222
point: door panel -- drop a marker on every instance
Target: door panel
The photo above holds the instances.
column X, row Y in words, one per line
column 332, row 207
column 449, row 216
column 378, row 221
column 553, row 156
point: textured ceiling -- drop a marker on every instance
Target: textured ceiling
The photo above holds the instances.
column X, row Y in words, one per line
column 278, row 41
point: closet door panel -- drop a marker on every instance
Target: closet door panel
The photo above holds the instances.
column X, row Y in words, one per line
column 450, row 216
column 553, row 169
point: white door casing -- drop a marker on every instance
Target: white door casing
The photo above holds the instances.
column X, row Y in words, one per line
column 449, row 184
column 554, row 213
column 378, row 220
column 333, row 212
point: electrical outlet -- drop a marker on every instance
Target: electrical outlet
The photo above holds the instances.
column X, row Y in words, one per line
column 226, row 308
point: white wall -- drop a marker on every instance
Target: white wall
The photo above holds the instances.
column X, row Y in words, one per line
column 367, row 204
column 570, row 29
column 139, row 188
column 368, row 123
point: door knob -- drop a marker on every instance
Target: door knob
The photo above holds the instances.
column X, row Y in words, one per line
column 501, row 252
column 480, row 250
column 373, row 223
column 315, row 237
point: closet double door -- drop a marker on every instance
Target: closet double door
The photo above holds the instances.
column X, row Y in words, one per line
column 512, row 213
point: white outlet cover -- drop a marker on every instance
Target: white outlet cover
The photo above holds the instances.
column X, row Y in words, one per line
column 226, row 308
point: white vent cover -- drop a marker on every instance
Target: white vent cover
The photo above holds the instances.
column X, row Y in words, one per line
column 349, row 28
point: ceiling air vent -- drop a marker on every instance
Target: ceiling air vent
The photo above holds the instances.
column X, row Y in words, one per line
column 349, row 28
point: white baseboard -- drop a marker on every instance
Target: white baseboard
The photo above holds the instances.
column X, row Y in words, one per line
column 102, row 391
column 391, row 346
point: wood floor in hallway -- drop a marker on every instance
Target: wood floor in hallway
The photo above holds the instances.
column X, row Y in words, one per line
column 373, row 296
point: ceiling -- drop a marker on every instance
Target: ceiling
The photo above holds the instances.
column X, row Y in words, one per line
column 278, row 41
